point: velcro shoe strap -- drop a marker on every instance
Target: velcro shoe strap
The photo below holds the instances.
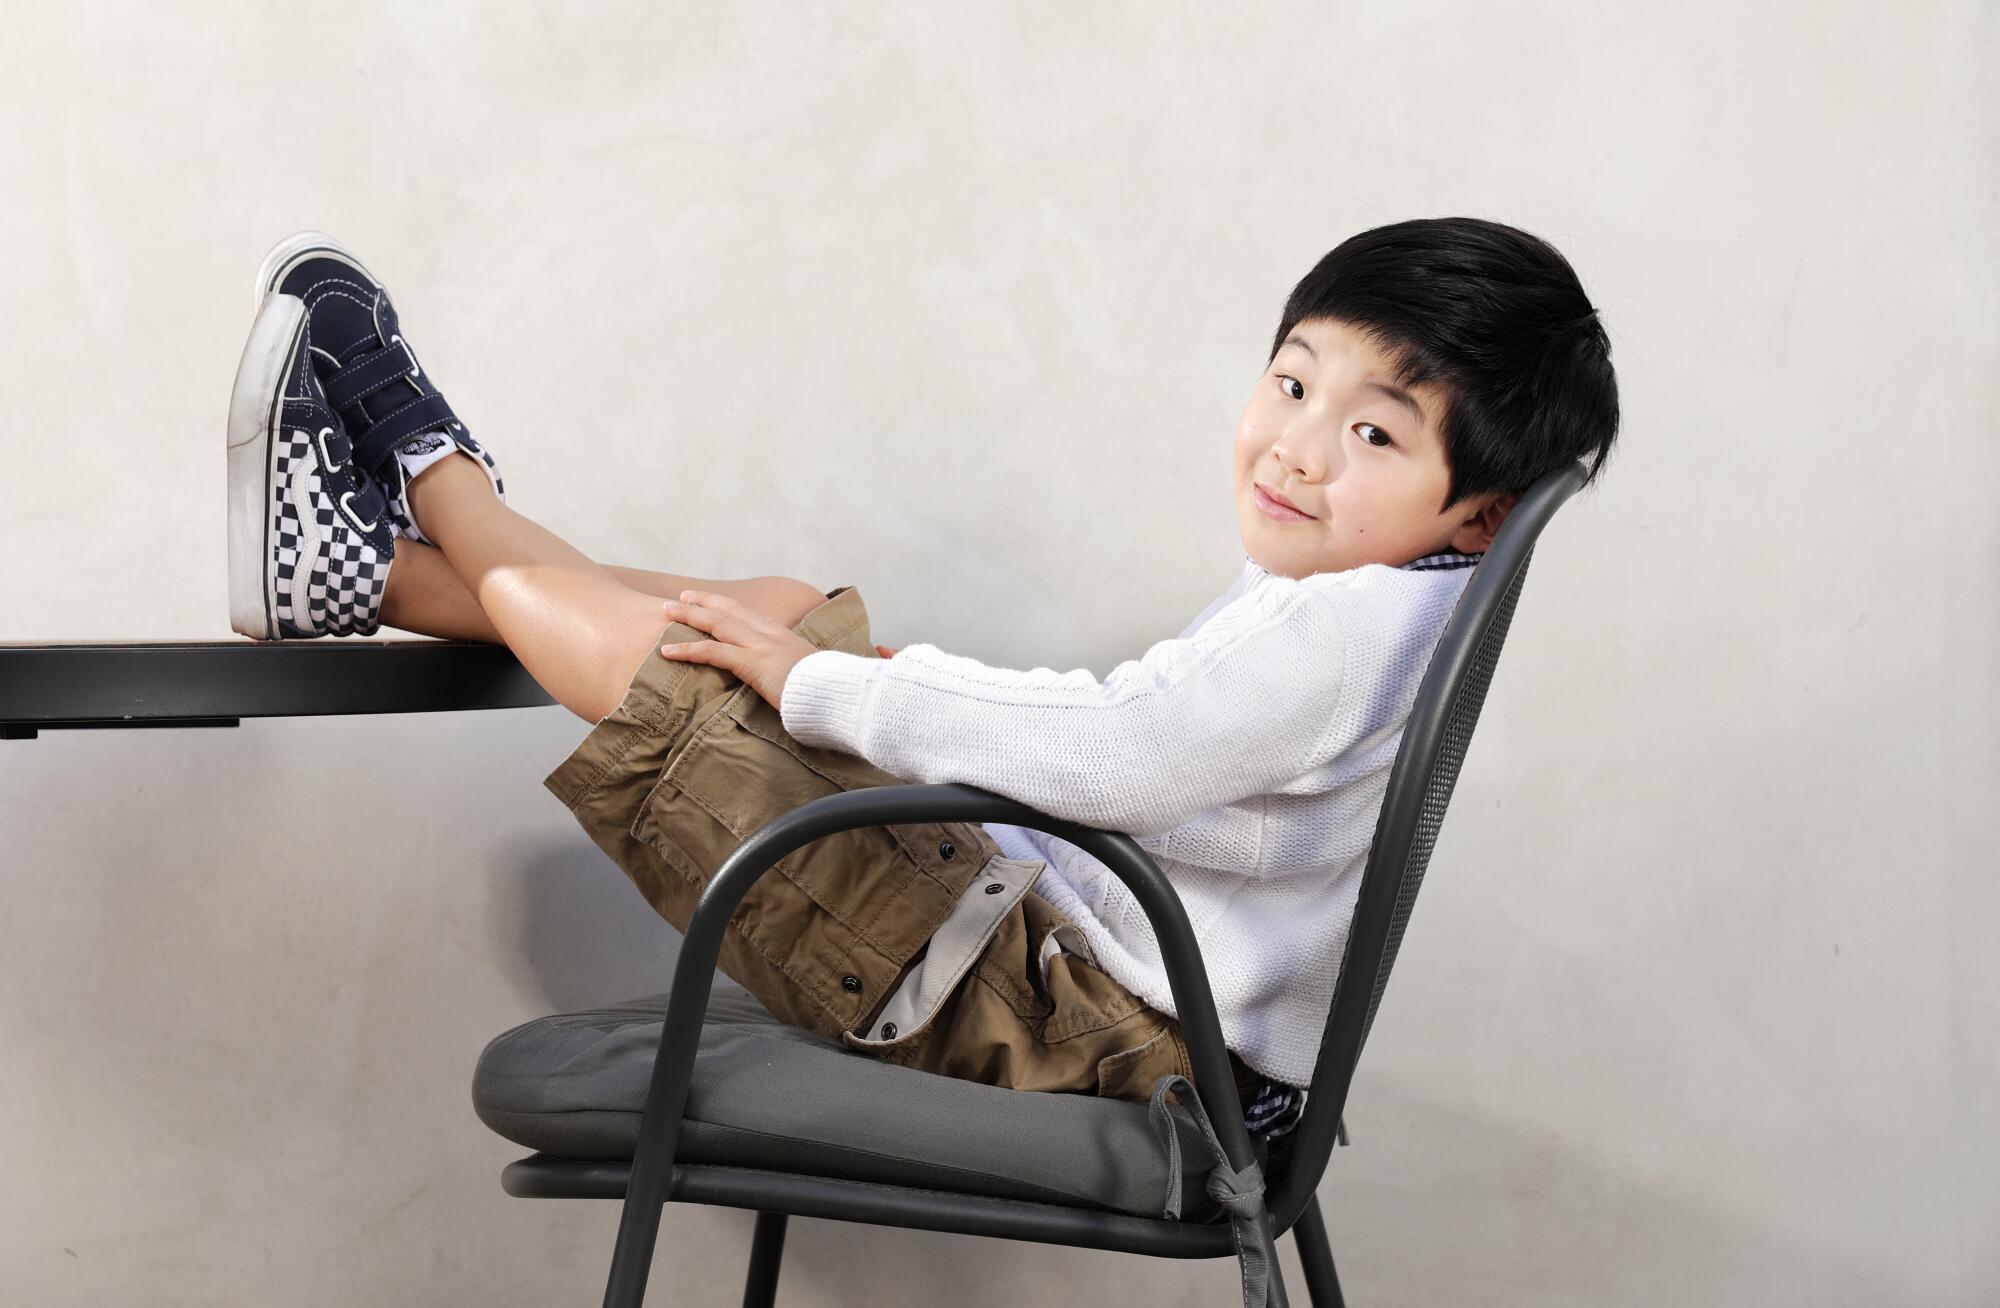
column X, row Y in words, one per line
column 335, row 450
column 375, row 447
column 367, row 502
column 369, row 374
column 308, row 417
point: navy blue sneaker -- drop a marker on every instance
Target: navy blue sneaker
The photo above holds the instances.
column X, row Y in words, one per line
column 390, row 406
column 309, row 535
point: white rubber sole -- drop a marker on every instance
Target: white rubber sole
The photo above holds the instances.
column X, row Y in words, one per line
column 256, row 408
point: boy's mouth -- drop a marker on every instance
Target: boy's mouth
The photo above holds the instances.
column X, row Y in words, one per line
column 1276, row 506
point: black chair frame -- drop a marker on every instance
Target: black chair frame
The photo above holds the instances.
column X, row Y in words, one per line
column 1420, row 784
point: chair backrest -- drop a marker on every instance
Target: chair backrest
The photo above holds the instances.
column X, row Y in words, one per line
column 1420, row 785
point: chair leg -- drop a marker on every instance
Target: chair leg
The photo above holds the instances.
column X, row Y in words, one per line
column 767, row 1249
column 1316, row 1257
column 632, row 1256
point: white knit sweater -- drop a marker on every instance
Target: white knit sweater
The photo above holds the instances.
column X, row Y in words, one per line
column 1248, row 756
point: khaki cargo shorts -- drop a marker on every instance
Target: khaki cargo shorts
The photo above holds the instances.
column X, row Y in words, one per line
column 919, row 944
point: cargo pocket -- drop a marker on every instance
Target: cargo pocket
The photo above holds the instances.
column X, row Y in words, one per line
column 1132, row 1073
column 889, row 885
column 957, row 944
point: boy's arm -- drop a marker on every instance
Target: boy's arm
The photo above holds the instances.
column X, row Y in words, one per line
column 1245, row 703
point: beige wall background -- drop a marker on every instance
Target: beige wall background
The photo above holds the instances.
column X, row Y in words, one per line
column 960, row 305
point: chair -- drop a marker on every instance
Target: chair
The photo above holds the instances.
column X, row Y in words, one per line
column 672, row 1098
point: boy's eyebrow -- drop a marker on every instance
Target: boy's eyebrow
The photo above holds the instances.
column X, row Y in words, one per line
column 1396, row 393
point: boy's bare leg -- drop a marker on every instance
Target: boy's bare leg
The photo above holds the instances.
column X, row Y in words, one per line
column 427, row 596
column 424, row 595
column 578, row 629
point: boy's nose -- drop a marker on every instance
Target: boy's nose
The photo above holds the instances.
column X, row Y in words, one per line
column 1307, row 458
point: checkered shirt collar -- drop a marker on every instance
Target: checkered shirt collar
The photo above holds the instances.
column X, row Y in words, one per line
column 1442, row 561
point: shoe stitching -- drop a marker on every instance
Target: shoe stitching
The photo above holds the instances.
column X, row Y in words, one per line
column 337, row 281
column 312, row 305
column 317, row 300
column 411, row 405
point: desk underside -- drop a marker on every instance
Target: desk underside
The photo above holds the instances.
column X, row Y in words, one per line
column 219, row 683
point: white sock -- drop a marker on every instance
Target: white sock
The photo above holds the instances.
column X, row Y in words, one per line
column 422, row 450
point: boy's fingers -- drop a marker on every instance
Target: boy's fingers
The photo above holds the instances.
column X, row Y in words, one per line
column 723, row 606
column 700, row 651
column 688, row 612
column 710, row 615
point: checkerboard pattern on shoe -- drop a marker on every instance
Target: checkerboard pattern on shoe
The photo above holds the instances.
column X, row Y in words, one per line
column 330, row 573
column 388, row 403
column 309, row 536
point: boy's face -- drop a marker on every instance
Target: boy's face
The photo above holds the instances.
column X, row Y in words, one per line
column 1369, row 469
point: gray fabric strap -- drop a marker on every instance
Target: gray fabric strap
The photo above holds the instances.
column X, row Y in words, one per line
column 1240, row 1192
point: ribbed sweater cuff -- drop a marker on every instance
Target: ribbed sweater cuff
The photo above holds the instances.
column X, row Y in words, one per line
column 821, row 702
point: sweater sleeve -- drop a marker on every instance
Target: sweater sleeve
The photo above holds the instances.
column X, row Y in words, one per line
column 1241, row 705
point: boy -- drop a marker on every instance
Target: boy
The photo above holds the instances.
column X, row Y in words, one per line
column 1423, row 374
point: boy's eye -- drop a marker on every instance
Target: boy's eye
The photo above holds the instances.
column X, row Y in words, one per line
column 1286, row 383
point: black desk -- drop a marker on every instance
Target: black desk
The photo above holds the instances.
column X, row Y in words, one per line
column 219, row 683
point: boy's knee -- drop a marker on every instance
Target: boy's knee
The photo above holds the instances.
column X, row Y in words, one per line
column 785, row 600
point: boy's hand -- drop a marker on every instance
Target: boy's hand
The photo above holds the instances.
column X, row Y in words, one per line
column 759, row 651
column 885, row 651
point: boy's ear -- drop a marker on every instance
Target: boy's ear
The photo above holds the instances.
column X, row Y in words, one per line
column 1478, row 531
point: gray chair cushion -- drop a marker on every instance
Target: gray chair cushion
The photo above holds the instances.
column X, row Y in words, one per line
column 772, row 1096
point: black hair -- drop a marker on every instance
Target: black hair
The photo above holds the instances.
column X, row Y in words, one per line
column 1497, row 318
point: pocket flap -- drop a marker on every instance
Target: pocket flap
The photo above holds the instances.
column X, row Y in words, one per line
column 953, row 948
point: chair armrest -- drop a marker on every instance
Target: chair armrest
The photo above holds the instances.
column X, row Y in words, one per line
column 694, row 973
